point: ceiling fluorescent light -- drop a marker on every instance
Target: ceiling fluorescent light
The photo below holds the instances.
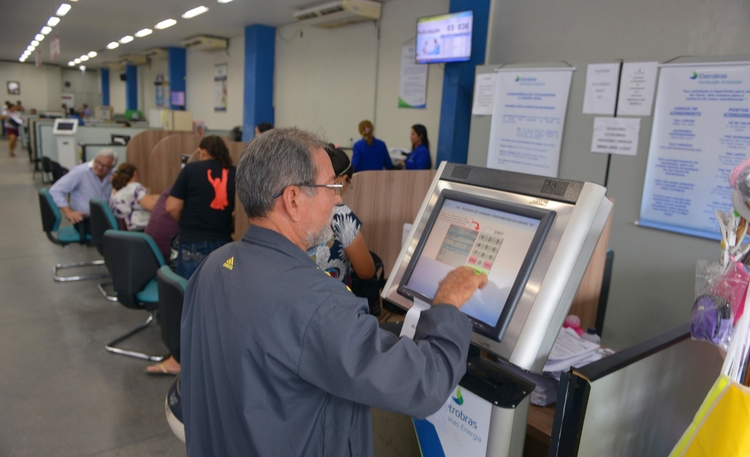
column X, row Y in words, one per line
column 144, row 32
column 223, row 1
column 82, row 68
column 53, row 21
column 21, row 59
column 77, row 60
column 194, row 12
column 126, row 39
column 63, row 10
column 164, row 24
column 46, row 30
column 84, row 58
column 35, row 43
column 71, row 64
column 39, row 37
column 113, row 45
column 92, row 54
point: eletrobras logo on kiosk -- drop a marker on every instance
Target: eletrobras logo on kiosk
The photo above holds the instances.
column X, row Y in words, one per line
column 459, row 428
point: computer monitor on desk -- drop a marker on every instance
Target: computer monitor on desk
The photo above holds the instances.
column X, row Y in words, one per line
column 121, row 140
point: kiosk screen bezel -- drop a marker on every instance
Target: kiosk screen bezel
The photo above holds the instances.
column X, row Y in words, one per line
column 545, row 218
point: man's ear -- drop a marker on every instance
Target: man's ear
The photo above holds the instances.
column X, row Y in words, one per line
column 291, row 201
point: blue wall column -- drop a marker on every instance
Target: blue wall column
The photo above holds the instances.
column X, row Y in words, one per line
column 458, row 86
column 176, row 71
column 257, row 105
column 131, row 87
column 104, row 78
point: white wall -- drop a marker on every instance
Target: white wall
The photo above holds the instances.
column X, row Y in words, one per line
column 116, row 91
column 200, row 85
column 146, row 88
column 325, row 78
column 84, row 85
column 654, row 271
column 40, row 87
column 328, row 80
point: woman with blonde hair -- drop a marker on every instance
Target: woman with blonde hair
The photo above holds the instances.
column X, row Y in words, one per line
column 370, row 153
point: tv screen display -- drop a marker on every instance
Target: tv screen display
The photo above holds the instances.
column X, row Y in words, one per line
column 177, row 98
column 444, row 38
column 499, row 239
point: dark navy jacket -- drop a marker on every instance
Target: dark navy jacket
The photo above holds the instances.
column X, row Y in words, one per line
column 279, row 359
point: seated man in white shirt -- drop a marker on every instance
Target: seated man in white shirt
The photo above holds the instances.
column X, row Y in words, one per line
column 73, row 192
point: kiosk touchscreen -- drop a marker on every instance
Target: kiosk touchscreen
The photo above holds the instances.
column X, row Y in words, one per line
column 533, row 237
column 499, row 239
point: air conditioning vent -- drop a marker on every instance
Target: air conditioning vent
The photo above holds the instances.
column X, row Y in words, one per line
column 338, row 13
column 205, row 43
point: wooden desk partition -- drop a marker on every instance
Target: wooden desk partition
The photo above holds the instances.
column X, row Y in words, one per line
column 138, row 152
column 164, row 162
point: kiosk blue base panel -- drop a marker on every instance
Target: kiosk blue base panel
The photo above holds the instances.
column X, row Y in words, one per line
column 429, row 441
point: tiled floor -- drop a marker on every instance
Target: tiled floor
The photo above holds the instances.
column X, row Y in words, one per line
column 61, row 393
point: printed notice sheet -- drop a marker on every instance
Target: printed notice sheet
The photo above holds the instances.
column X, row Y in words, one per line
column 616, row 135
column 484, row 94
column 637, row 85
column 601, row 88
column 701, row 132
column 528, row 119
column 412, row 85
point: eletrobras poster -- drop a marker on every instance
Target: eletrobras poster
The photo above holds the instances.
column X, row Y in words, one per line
column 528, row 118
column 701, row 131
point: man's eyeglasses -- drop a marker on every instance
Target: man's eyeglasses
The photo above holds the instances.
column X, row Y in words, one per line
column 97, row 163
column 338, row 188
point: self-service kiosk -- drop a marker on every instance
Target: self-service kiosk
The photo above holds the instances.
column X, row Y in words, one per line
column 533, row 236
column 67, row 146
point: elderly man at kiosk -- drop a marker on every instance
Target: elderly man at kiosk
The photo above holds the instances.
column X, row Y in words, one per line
column 73, row 192
column 280, row 359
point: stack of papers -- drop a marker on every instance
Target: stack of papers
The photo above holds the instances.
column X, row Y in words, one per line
column 569, row 350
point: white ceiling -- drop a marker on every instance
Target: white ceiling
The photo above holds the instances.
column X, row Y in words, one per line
column 91, row 24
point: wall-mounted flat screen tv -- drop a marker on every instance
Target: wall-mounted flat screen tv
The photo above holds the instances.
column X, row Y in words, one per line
column 445, row 38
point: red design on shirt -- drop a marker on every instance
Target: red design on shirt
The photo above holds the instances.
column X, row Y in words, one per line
column 220, row 189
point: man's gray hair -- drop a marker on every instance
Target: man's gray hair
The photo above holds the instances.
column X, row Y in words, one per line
column 107, row 152
column 273, row 161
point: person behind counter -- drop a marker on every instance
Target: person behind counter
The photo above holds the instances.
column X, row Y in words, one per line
column 370, row 153
column 202, row 200
column 346, row 249
column 130, row 201
column 419, row 158
column 263, row 127
column 278, row 359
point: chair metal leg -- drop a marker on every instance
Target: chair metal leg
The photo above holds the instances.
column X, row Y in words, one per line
column 101, row 286
column 138, row 355
column 62, row 266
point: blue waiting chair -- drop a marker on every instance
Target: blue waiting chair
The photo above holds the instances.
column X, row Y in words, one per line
column 133, row 259
column 51, row 218
column 102, row 219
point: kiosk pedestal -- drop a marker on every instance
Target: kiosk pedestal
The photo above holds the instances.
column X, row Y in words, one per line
column 533, row 236
column 67, row 147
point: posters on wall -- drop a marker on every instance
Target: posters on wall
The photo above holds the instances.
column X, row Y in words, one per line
column 637, row 84
column 220, row 87
column 615, row 135
column 159, row 95
column 484, row 94
column 412, row 86
column 528, row 117
column 601, row 88
column 701, row 131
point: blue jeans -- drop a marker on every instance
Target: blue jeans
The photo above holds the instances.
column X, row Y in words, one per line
column 191, row 255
